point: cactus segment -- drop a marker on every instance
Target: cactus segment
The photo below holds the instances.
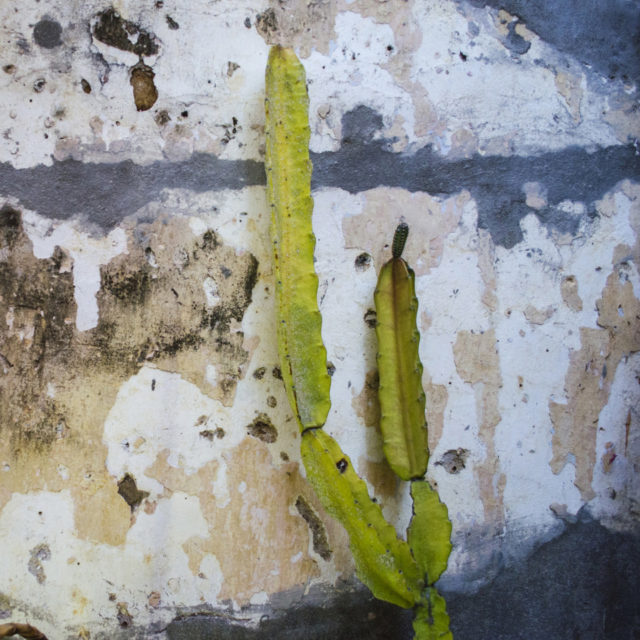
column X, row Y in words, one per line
column 432, row 621
column 402, row 399
column 303, row 356
column 383, row 562
column 429, row 533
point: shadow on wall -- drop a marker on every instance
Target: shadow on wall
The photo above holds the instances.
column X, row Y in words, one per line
column 582, row 585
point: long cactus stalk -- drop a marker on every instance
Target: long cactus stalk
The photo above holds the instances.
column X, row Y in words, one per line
column 404, row 432
column 402, row 399
column 303, row 357
column 395, row 570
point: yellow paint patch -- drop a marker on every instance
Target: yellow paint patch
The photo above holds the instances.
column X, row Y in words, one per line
column 174, row 300
column 477, row 363
column 429, row 219
column 255, row 534
column 569, row 291
column 591, row 372
column 366, row 403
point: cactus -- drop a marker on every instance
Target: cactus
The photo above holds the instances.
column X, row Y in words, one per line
column 303, row 358
column 404, row 432
column 383, row 562
column 399, row 572
column 402, row 399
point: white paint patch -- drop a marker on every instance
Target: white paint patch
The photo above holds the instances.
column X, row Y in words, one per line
column 510, row 103
column 211, row 292
column 87, row 252
column 260, row 598
column 164, row 418
column 617, row 484
column 342, row 85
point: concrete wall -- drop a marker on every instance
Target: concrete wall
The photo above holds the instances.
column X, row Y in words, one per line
column 150, row 479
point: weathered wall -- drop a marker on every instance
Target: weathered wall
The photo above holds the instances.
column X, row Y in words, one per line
column 150, row 480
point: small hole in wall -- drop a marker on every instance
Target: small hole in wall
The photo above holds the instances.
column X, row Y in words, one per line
column 371, row 318
column 453, row 460
column 362, row 262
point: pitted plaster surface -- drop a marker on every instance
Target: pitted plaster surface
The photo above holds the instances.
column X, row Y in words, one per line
column 150, row 477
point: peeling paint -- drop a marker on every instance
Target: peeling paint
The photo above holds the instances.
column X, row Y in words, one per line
column 145, row 435
column 477, row 363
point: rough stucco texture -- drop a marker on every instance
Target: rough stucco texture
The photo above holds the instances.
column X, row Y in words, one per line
column 150, row 478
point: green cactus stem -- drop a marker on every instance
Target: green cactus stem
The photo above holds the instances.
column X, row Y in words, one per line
column 303, row 356
column 429, row 533
column 432, row 621
column 402, row 399
column 383, row 562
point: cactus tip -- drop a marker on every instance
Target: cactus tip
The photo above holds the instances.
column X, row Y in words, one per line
column 399, row 239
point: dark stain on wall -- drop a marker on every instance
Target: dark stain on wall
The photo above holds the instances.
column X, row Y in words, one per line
column 147, row 314
column 583, row 585
column 47, row 32
column 263, row 429
column 495, row 182
column 348, row 615
column 111, row 29
column 128, row 489
column 36, row 298
column 538, row 599
column 603, row 35
column 153, row 306
column 318, row 532
column 112, row 192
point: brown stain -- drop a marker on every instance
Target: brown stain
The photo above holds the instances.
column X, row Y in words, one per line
column 263, row 535
column 58, row 384
column 263, row 429
column 486, row 265
column 437, row 397
column 591, row 372
column 570, row 88
column 145, row 93
column 429, row 220
column 538, row 316
column 366, row 403
column 174, row 479
column 318, row 532
column 129, row 491
column 156, row 292
column 569, row 292
column 477, row 363
column 100, row 514
column 113, row 30
column 382, row 478
column 36, row 301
